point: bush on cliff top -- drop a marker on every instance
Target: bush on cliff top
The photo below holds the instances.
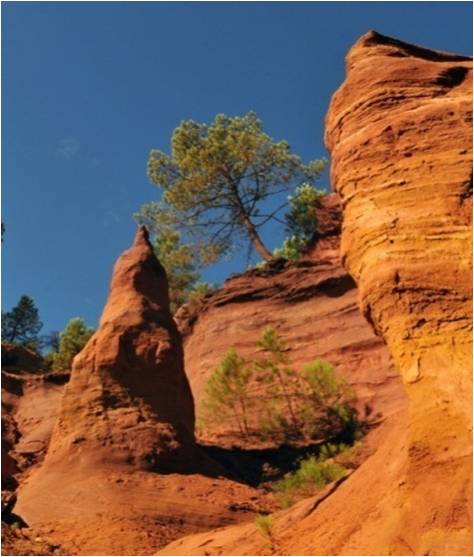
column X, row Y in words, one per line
column 300, row 222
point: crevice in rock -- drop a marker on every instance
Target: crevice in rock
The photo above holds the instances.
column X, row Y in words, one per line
column 452, row 77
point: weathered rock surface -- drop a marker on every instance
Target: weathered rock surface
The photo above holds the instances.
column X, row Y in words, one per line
column 9, row 439
column 31, row 399
column 399, row 132
column 400, row 140
column 128, row 400
column 30, row 406
column 312, row 304
column 21, row 541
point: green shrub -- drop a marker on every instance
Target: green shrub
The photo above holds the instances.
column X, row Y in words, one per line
column 301, row 218
column 329, row 400
column 291, row 249
column 300, row 222
column 264, row 523
column 312, row 474
column 71, row 341
column 329, row 450
column 195, row 296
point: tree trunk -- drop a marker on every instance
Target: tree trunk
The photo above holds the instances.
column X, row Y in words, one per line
column 287, row 397
column 244, row 415
column 255, row 239
column 248, row 224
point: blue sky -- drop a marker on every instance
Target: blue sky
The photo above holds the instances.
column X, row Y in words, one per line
column 90, row 87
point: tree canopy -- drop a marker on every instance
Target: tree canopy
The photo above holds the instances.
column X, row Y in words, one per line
column 22, row 324
column 179, row 261
column 215, row 182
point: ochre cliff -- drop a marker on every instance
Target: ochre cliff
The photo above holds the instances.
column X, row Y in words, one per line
column 313, row 306
column 400, row 141
column 399, row 132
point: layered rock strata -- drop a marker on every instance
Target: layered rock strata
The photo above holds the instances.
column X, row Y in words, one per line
column 401, row 146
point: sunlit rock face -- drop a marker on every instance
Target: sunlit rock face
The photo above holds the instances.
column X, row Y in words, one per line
column 123, row 474
column 399, row 133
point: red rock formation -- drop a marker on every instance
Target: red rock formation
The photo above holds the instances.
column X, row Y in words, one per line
column 128, row 400
column 312, row 304
column 126, row 414
column 30, row 404
column 399, row 132
column 9, row 439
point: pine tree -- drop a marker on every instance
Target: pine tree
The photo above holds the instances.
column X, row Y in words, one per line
column 226, row 393
column 276, row 367
column 217, row 179
column 271, row 400
column 22, row 324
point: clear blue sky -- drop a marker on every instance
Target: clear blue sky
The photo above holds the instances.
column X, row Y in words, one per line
column 89, row 88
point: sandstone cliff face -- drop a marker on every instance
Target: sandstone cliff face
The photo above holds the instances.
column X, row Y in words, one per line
column 399, row 132
column 312, row 304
